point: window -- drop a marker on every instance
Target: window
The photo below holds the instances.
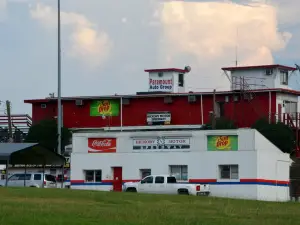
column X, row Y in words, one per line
column 23, row 176
column 179, row 172
column 49, row 177
column 220, row 109
column 43, row 106
column 37, row 177
column 229, row 172
column 14, row 177
column 147, row 180
column 171, row 180
column 180, row 80
column 284, row 76
column 159, row 180
column 93, row 176
column 145, row 173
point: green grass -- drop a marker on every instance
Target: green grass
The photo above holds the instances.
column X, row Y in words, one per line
column 32, row 206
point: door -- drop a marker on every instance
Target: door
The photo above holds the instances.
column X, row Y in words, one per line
column 146, row 185
column 12, row 181
column 118, row 181
column 160, row 186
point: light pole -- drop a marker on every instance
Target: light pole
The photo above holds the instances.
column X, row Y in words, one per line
column 59, row 108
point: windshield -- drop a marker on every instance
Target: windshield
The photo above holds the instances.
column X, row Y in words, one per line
column 50, row 178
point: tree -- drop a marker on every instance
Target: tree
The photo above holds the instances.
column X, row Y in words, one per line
column 45, row 133
column 279, row 134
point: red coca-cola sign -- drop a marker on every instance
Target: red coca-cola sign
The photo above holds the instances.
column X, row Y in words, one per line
column 102, row 145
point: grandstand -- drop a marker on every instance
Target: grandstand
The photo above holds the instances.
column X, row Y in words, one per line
column 20, row 126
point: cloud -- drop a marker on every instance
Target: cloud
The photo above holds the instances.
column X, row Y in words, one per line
column 3, row 5
column 210, row 31
column 87, row 43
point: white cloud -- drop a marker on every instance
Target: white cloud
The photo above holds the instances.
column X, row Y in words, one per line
column 207, row 31
column 88, row 43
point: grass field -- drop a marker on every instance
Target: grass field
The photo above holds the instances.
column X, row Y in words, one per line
column 54, row 207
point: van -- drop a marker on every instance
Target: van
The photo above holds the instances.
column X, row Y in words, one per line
column 30, row 180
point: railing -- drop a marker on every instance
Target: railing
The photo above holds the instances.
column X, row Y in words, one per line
column 19, row 121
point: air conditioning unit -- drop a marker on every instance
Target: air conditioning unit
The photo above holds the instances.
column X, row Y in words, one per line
column 168, row 100
column 269, row 72
column 192, row 98
column 78, row 102
column 125, row 101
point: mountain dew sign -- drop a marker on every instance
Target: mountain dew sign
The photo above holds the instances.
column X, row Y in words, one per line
column 105, row 108
column 222, row 143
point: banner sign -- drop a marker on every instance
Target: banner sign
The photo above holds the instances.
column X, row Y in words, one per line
column 159, row 118
column 222, row 143
column 161, row 84
column 161, row 143
column 102, row 145
column 105, row 108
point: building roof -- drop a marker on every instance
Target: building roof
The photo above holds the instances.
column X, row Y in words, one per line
column 165, row 70
column 153, row 95
column 275, row 66
column 28, row 153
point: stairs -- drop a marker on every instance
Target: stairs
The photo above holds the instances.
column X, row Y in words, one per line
column 294, row 123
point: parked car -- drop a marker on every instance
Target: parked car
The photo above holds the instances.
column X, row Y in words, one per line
column 165, row 184
column 30, row 180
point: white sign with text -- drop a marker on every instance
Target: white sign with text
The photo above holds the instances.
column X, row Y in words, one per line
column 161, row 143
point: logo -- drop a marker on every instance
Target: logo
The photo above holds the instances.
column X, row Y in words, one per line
column 104, row 108
column 222, row 143
column 102, row 145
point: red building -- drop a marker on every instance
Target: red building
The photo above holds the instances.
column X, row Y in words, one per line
column 256, row 92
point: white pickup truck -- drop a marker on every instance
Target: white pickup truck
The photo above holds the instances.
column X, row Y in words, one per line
column 165, row 184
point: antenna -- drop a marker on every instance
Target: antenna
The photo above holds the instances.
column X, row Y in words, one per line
column 236, row 47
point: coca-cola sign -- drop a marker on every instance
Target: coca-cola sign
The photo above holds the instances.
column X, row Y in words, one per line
column 102, row 145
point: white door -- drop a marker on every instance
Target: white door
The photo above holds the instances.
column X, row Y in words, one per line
column 160, row 186
column 171, row 185
column 146, row 185
column 12, row 180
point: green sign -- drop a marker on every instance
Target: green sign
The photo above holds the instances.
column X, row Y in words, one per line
column 222, row 143
column 104, row 108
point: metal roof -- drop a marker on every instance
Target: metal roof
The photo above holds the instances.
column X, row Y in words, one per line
column 28, row 153
column 259, row 67
column 165, row 70
column 154, row 95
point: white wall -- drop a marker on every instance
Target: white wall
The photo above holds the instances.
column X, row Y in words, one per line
column 256, row 78
column 197, row 138
column 256, row 158
column 272, row 165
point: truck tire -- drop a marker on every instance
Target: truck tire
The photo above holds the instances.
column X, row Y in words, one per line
column 183, row 191
column 131, row 190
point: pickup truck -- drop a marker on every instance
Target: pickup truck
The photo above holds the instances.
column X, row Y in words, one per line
column 165, row 184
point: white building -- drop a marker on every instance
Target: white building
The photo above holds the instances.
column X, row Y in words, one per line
column 236, row 163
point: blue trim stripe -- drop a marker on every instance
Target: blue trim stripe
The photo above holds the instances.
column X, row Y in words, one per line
column 211, row 183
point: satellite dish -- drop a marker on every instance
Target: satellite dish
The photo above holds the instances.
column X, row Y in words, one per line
column 187, row 69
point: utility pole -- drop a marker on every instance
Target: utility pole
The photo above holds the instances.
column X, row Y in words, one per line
column 213, row 121
column 9, row 121
column 59, row 108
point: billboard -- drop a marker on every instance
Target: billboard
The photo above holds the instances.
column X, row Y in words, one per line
column 105, row 108
column 102, row 145
column 222, row 143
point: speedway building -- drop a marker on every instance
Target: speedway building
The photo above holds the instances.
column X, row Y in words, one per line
column 125, row 138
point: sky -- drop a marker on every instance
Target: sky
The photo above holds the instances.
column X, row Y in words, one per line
column 106, row 45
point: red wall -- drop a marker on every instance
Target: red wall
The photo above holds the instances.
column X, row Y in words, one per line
column 182, row 112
